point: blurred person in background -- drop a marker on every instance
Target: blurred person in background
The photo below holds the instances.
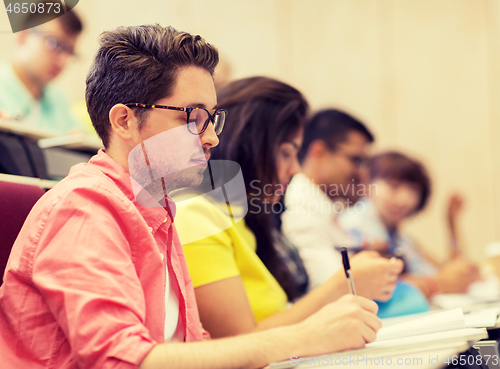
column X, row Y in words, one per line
column 400, row 189
column 334, row 149
column 223, row 74
column 245, row 275
column 334, row 177
column 40, row 54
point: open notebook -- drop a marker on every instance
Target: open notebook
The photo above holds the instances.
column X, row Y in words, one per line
column 441, row 322
column 445, row 330
column 482, row 318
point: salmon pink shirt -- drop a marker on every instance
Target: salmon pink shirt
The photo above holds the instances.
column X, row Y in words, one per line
column 85, row 283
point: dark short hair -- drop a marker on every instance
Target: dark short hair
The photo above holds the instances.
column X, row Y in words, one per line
column 332, row 127
column 262, row 114
column 140, row 64
column 70, row 22
column 394, row 165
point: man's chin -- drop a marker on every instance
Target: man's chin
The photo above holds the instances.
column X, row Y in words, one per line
column 196, row 180
column 193, row 178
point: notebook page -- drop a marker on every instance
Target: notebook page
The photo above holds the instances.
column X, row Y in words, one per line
column 473, row 334
column 440, row 322
column 457, row 340
column 482, row 318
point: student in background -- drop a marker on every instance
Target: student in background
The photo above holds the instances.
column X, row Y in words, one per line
column 40, row 54
column 97, row 277
column 334, row 176
column 332, row 155
column 242, row 282
column 400, row 189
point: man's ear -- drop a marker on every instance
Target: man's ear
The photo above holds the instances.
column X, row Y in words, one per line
column 123, row 121
column 22, row 36
column 317, row 149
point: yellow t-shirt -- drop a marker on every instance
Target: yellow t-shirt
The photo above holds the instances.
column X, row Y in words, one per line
column 218, row 249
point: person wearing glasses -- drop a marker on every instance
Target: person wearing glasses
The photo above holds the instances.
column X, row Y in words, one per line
column 97, row 277
column 244, row 271
column 332, row 155
column 39, row 55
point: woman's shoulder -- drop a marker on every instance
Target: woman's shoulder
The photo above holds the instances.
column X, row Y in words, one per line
column 199, row 217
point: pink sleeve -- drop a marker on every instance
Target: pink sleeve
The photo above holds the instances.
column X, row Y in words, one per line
column 206, row 335
column 83, row 269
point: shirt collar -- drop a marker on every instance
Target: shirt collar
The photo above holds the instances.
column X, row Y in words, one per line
column 313, row 189
column 153, row 212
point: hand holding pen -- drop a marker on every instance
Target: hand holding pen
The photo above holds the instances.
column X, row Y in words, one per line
column 376, row 276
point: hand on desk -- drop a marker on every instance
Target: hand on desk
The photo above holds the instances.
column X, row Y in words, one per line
column 377, row 245
column 456, row 275
column 346, row 324
column 375, row 277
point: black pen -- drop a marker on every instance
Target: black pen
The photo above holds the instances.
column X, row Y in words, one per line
column 352, row 248
column 347, row 269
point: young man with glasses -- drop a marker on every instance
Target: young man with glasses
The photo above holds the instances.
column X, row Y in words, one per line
column 40, row 54
column 333, row 176
column 97, row 277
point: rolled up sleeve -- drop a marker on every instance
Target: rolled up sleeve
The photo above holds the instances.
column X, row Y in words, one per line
column 84, row 270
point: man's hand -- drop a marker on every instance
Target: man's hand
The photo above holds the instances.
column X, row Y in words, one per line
column 375, row 277
column 377, row 245
column 456, row 275
column 455, row 207
column 346, row 324
column 453, row 211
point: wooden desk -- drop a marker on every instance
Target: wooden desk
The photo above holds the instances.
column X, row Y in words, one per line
column 75, row 142
column 60, row 152
column 47, row 138
column 42, row 183
column 33, row 133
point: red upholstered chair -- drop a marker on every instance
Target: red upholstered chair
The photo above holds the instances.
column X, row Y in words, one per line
column 16, row 201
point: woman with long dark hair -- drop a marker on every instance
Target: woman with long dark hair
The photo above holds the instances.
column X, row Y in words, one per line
column 244, row 271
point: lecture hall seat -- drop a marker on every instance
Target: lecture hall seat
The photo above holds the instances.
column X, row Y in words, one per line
column 16, row 201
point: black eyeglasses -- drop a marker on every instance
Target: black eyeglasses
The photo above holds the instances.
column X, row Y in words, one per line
column 53, row 44
column 58, row 47
column 200, row 116
column 357, row 161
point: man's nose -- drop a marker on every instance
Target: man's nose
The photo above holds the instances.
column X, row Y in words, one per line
column 62, row 60
column 209, row 137
column 295, row 168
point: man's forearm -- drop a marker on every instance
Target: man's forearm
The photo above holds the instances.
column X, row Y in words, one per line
column 253, row 350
